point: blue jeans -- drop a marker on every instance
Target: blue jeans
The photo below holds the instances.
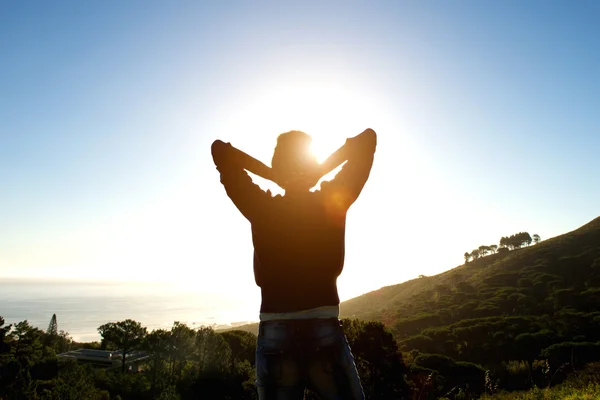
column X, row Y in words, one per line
column 292, row 355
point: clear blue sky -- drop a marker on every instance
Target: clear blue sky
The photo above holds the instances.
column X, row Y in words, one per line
column 488, row 115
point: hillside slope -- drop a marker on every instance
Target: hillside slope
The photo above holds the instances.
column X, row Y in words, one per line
column 538, row 301
column 558, row 259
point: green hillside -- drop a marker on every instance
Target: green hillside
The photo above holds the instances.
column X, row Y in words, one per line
column 529, row 317
column 559, row 275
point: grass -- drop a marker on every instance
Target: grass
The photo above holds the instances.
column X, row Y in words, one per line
column 580, row 385
column 591, row 391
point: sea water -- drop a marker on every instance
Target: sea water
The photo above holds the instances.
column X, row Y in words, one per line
column 81, row 307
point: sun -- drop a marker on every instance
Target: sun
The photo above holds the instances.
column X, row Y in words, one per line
column 322, row 146
column 328, row 111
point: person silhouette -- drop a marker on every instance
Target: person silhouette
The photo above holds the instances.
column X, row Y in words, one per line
column 299, row 246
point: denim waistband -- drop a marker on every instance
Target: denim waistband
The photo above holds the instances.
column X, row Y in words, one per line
column 319, row 312
column 298, row 327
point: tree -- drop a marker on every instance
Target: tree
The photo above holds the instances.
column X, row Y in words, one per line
column 525, row 238
column 27, row 346
column 181, row 347
column 242, row 345
column 73, row 382
column 536, row 238
column 4, row 330
column 126, row 335
column 378, row 359
column 475, row 254
column 20, row 349
column 493, row 248
column 483, row 250
column 157, row 344
column 51, row 333
column 516, row 241
column 453, row 373
column 467, row 256
column 504, row 241
column 64, row 341
column 52, row 327
column 213, row 352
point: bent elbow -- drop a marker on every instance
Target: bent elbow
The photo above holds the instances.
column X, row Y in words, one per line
column 217, row 150
column 369, row 132
column 217, row 147
column 370, row 138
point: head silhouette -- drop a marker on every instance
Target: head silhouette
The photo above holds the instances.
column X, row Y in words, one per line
column 293, row 162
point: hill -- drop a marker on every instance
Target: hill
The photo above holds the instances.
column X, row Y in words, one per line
column 557, row 273
column 252, row 328
column 503, row 311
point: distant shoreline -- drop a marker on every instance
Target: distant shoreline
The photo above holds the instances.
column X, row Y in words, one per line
column 81, row 306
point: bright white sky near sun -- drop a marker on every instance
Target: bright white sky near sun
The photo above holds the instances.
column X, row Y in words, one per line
column 487, row 113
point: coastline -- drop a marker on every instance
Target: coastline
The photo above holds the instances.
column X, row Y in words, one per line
column 82, row 306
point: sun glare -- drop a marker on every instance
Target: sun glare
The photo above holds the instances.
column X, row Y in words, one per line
column 322, row 148
column 327, row 112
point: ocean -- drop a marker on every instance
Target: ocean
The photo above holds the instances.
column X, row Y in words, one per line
column 81, row 307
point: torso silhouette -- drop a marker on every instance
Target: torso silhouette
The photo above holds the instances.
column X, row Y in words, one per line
column 298, row 251
column 299, row 240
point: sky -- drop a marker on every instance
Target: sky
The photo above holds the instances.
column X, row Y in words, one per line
column 487, row 115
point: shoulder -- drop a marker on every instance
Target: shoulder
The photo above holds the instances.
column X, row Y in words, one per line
column 334, row 197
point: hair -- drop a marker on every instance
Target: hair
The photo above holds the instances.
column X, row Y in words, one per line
column 292, row 152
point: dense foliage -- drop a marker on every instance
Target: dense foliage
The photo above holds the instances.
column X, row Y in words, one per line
column 581, row 385
column 183, row 363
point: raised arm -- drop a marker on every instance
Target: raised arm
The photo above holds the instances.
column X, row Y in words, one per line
column 232, row 164
column 225, row 153
column 358, row 153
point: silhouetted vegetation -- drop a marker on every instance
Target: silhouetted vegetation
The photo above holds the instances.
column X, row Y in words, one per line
column 180, row 363
column 511, row 242
column 580, row 385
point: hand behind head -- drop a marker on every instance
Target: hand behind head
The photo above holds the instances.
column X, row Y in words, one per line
column 299, row 181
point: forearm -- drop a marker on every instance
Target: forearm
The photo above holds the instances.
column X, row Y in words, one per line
column 251, row 164
column 365, row 141
column 335, row 160
column 225, row 153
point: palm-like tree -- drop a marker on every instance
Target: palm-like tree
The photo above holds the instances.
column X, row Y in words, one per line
column 483, row 250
